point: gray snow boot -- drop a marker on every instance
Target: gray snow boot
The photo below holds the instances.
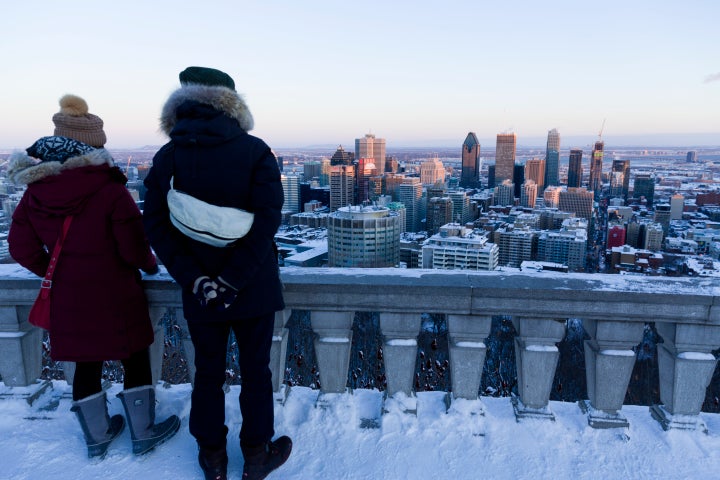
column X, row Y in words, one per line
column 97, row 426
column 139, row 406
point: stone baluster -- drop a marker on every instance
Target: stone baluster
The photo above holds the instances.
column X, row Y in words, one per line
column 157, row 348
column 278, row 349
column 20, row 347
column 400, row 334
column 467, row 352
column 333, row 339
column 686, row 365
column 609, row 361
column 536, row 357
column 187, row 344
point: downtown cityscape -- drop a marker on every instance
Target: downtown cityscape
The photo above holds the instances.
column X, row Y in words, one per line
column 593, row 208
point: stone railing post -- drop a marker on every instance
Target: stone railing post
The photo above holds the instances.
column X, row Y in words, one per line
column 20, row 347
column 609, row 361
column 536, row 357
column 333, row 339
column 400, row 333
column 686, row 366
column 187, row 344
column 278, row 349
column 467, row 352
column 157, row 348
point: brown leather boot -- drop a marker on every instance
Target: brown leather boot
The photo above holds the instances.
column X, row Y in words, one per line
column 262, row 459
column 213, row 463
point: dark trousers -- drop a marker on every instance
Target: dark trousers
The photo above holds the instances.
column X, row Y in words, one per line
column 88, row 375
column 207, row 411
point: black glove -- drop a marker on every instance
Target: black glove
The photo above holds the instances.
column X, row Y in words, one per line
column 214, row 293
column 205, row 290
column 226, row 294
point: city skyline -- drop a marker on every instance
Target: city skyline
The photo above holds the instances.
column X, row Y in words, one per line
column 416, row 74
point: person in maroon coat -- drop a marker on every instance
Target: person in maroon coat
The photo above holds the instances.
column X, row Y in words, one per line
column 98, row 306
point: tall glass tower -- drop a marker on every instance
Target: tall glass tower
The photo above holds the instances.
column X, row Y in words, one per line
column 575, row 169
column 505, row 157
column 469, row 177
column 596, row 163
column 552, row 159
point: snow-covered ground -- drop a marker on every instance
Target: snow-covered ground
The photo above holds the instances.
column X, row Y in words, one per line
column 37, row 442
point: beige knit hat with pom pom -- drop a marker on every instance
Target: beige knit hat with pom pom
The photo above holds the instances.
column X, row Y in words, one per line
column 74, row 121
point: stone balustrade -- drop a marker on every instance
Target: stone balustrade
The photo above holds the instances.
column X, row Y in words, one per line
column 613, row 309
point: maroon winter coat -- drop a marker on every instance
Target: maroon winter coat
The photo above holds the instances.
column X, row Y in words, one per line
column 98, row 307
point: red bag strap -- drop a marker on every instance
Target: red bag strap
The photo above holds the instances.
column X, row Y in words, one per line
column 46, row 283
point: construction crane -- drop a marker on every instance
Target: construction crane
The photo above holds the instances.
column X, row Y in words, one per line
column 601, row 130
column 127, row 169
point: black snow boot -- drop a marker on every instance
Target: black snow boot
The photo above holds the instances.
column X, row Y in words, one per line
column 139, row 406
column 263, row 459
column 97, row 426
column 213, row 463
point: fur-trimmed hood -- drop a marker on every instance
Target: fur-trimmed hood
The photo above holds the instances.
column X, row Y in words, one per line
column 24, row 169
column 223, row 99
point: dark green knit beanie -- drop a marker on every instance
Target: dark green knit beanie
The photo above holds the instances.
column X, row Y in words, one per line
column 206, row 76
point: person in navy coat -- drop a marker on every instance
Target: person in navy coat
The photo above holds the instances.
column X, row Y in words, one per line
column 212, row 157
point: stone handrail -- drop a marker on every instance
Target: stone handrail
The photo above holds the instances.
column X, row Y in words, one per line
column 613, row 308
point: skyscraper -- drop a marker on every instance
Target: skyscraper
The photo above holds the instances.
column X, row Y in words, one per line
column 341, row 157
column 644, row 186
column 596, row 163
column 552, row 160
column 410, row 195
column 432, row 171
column 535, row 170
column 505, row 157
column 620, row 179
column 469, row 177
column 575, row 169
column 371, row 147
column 342, row 186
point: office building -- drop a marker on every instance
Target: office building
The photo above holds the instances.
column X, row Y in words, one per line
column 567, row 247
column 439, row 212
column 578, row 201
column 596, row 165
column 371, row 147
column 620, row 179
column 342, row 186
column 677, row 205
column 575, row 169
column 644, row 187
column 552, row 160
column 363, row 237
column 458, row 248
column 409, row 193
column 432, row 171
column 528, row 196
column 535, row 171
column 470, row 174
column 341, row 157
column 551, row 196
column 504, row 194
column 516, row 246
column 505, row 157
column 461, row 207
column 312, row 170
column 291, row 188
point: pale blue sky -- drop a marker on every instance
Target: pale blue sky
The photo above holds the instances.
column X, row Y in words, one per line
column 413, row 72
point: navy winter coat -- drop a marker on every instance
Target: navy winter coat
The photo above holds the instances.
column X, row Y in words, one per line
column 213, row 158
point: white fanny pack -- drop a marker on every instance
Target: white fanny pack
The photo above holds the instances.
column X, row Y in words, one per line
column 205, row 222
